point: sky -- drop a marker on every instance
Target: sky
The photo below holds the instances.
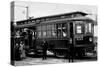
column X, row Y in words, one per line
column 39, row 9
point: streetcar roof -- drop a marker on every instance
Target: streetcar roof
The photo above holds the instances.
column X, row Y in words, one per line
column 50, row 16
column 67, row 19
column 55, row 21
column 71, row 13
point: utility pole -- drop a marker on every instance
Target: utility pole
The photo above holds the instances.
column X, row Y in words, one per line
column 27, row 10
column 27, row 16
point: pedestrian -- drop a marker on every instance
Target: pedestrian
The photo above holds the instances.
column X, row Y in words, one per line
column 22, row 49
column 44, row 50
column 71, row 53
column 25, row 37
column 30, row 38
column 17, row 37
column 17, row 45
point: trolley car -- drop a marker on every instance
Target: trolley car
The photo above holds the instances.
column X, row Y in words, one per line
column 60, row 31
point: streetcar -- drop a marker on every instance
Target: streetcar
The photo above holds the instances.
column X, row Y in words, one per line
column 60, row 31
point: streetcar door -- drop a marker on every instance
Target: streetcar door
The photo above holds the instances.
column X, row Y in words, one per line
column 71, row 33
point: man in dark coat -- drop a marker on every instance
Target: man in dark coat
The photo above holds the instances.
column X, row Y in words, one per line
column 45, row 50
column 17, row 52
column 25, row 37
column 71, row 53
column 17, row 43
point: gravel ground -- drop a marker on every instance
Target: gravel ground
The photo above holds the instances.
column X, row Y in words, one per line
column 50, row 60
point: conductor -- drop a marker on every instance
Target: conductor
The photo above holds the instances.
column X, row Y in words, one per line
column 44, row 50
column 71, row 53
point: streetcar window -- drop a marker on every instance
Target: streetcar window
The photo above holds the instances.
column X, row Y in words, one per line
column 59, row 32
column 49, row 33
column 49, row 27
column 53, row 27
column 43, row 27
column 59, row 28
column 54, row 33
column 44, row 33
column 64, row 29
column 49, row 30
column 79, row 29
column 39, row 28
column 88, row 28
column 39, row 34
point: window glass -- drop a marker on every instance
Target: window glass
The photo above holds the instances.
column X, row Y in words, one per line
column 44, row 27
column 33, row 33
column 88, row 28
column 64, row 29
column 54, row 34
column 64, row 32
column 59, row 32
column 59, row 28
column 48, row 33
column 49, row 27
column 44, row 33
column 39, row 28
column 64, row 24
column 53, row 27
column 39, row 34
column 79, row 29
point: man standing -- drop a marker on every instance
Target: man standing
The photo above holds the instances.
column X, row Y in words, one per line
column 25, row 37
column 71, row 43
column 23, row 56
column 71, row 53
column 17, row 43
column 45, row 50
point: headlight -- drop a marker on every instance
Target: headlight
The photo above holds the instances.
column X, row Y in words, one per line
column 90, row 39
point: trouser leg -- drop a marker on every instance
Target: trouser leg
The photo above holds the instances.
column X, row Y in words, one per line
column 45, row 56
column 42, row 57
column 69, row 59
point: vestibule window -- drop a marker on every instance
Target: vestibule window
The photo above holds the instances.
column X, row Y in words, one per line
column 88, row 28
column 79, row 29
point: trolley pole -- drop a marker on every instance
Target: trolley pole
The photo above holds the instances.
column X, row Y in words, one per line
column 27, row 16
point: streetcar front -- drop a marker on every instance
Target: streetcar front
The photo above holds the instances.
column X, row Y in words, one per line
column 83, row 36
